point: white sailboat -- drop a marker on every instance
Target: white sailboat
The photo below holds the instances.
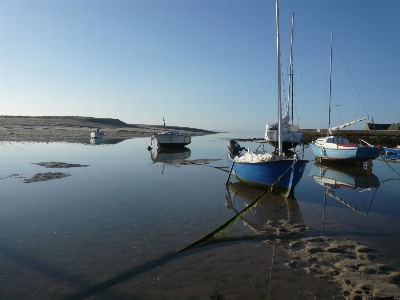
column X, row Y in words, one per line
column 291, row 134
column 337, row 148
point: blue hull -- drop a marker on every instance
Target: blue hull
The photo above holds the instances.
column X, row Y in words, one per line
column 391, row 151
column 359, row 154
column 265, row 174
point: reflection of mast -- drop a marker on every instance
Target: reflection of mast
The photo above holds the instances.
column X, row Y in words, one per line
column 330, row 192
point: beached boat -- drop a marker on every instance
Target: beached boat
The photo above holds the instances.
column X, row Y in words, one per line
column 337, row 148
column 171, row 138
column 267, row 169
column 97, row 134
column 291, row 134
column 392, row 151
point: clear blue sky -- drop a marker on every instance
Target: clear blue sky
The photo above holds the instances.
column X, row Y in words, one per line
column 205, row 64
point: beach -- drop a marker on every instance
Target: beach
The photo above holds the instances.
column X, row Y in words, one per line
column 64, row 128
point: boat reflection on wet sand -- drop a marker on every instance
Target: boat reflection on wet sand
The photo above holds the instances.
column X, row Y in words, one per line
column 274, row 215
column 358, row 180
column 349, row 176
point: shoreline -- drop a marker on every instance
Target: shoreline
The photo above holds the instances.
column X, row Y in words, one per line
column 67, row 128
column 72, row 129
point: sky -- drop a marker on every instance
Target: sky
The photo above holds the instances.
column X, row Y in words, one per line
column 209, row 64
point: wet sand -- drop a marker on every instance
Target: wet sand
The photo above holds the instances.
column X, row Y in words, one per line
column 64, row 128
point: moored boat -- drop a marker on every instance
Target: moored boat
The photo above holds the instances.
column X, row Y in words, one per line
column 392, row 151
column 340, row 149
column 290, row 133
column 171, row 138
column 97, row 134
column 267, row 169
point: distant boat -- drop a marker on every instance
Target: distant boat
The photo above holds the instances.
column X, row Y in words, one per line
column 338, row 148
column 392, row 151
column 171, row 138
column 267, row 169
column 291, row 134
column 97, row 134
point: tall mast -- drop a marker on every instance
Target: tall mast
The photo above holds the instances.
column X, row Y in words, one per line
column 279, row 82
column 330, row 88
column 291, row 67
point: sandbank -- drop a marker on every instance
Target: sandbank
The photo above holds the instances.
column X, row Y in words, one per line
column 64, row 128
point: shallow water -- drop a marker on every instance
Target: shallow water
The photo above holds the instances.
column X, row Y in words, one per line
column 123, row 209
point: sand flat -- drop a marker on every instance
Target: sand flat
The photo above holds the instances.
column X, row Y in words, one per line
column 16, row 127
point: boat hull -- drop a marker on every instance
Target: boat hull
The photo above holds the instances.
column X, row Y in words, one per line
column 392, row 151
column 289, row 139
column 266, row 174
column 171, row 141
column 96, row 135
column 345, row 154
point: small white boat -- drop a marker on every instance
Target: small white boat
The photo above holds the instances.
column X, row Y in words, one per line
column 96, row 134
column 171, row 138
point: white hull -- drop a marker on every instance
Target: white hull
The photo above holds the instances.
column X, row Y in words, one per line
column 96, row 135
column 290, row 138
column 171, row 139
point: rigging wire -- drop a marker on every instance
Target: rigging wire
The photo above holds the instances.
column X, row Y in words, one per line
column 351, row 76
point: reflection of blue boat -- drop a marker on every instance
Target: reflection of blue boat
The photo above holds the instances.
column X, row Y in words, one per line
column 392, row 151
column 275, row 215
column 267, row 169
column 336, row 176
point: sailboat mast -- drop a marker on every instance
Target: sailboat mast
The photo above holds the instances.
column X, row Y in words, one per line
column 330, row 87
column 279, row 82
column 291, row 66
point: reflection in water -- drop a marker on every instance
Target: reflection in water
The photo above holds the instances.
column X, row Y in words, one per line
column 169, row 156
column 348, row 176
column 97, row 140
column 358, row 179
column 392, row 158
column 274, row 215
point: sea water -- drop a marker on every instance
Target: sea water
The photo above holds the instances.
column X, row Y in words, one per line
column 124, row 207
